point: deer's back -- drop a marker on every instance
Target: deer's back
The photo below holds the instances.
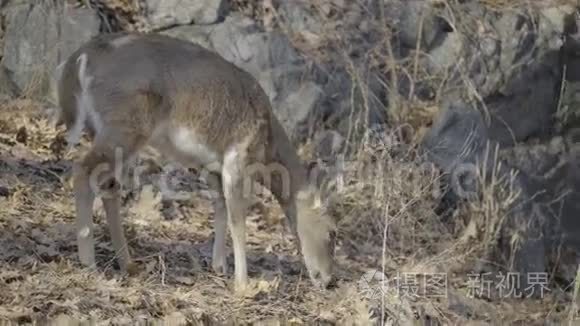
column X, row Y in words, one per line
column 150, row 81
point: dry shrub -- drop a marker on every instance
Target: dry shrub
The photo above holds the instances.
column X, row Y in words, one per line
column 386, row 197
column 479, row 222
column 486, row 214
column 388, row 193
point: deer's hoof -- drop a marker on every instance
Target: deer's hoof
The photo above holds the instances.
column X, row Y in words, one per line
column 241, row 287
column 321, row 281
column 220, row 267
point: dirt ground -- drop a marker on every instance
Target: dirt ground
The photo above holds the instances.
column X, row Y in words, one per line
column 41, row 279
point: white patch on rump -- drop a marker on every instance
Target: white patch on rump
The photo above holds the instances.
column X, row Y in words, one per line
column 84, row 105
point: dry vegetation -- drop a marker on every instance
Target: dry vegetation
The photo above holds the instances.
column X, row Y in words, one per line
column 385, row 202
column 387, row 223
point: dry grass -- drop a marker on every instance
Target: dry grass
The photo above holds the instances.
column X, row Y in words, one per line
column 387, row 224
column 385, row 203
column 388, row 211
column 171, row 241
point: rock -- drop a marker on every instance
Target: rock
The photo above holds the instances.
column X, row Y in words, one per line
column 8, row 89
column 537, row 161
column 553, row 167
column 520, row 89
column 568, row 112
column 554, row 23
column 298, row 105
column 240, row 41
column 195, row 34
column 328, row 144
column 4, row 191
column 30, row 55
column 458, row 144
column 168, row 13
column 406, row 17
column 525, row 109
column 348, row 104
column 447, row 54
column 299, row 17
column 457, row 136
column 510, row 60
column 299, row 88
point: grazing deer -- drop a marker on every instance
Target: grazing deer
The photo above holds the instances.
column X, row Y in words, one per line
column 130, row 90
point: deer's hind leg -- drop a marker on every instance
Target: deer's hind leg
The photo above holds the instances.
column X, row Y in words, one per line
column 96, row 173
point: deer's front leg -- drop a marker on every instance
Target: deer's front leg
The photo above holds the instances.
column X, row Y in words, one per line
column 112, row 206
column 219, row 263
column 235, row 204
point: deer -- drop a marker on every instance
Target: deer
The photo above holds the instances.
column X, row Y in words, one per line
column 128, row 91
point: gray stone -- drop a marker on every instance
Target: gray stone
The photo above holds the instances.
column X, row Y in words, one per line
column 168, row 13
column 241, row 41
column 192, row 33
column 512, row 62
column 522, row 97
column 328, row 144
column 41, row 35
column 458, row 144
column 553, row 24
column 297, row 106
column 8, row 90
column 553, row 167
column 447, row 53
column 406, row 15
column 568, row 111
column 457, row 136
column 299, row 17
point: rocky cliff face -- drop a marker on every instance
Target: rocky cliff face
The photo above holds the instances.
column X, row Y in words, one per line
column 466, row 76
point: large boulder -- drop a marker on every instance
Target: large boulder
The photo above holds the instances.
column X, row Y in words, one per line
column 417, row 23
column 459, row 144
column 554, row 167
column 568, row 112
column 168, row 13
column 39, row 36
column 509, row 60
column 8, row 89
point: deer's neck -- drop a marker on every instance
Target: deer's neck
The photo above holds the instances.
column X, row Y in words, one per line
column 284, row 155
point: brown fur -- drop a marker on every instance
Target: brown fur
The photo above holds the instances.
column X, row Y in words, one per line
column 149, row 82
